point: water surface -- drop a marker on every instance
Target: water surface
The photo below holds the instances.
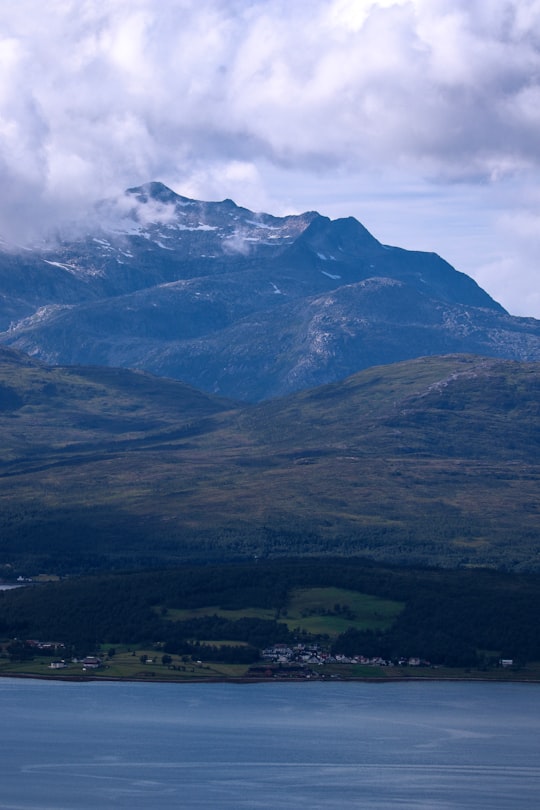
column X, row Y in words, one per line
column 308, row 745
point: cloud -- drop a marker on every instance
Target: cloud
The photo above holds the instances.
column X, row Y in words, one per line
column 96, row 97
column 512, row 274
column 93, row 91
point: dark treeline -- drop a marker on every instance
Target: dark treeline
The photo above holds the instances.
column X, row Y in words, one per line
column 449, row 615
column 81, row 541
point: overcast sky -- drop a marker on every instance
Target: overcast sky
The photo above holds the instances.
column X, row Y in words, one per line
column 419, row 117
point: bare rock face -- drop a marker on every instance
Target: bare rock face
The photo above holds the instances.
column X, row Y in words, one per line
column 242, row 304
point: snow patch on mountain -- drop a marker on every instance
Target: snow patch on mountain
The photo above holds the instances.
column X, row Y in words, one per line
column 69, row 267
column 259, row 224
column 330, row 275
column 212, row 293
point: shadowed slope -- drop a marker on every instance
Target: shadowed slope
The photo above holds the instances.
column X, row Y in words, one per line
column 432, row 460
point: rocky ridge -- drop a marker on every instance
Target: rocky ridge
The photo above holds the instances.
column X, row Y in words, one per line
column 242, row 304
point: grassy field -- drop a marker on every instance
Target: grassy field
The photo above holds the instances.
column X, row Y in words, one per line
column 314, row 610
column 128, row 666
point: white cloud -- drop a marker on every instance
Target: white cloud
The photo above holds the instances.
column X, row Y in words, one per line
column 96, row 97
column 240, row 179
column 513, row 276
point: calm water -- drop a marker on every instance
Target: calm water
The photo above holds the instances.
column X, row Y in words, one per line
column 224, row 747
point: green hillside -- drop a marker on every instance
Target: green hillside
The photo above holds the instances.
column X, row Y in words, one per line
column 229, row 612
column 427, row 461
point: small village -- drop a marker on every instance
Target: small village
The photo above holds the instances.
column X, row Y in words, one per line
column 315, row 654
column 296, row 658
column 291, row 660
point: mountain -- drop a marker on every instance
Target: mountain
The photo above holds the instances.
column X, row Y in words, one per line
column 248, row 306
column 431, row 461
column 48, row 410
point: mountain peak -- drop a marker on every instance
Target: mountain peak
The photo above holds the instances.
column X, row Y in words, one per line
column 345, row 235
column 155, row 190
column 248, row 305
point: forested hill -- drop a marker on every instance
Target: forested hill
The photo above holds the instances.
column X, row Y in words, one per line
column 458, row 618
column 433, row 460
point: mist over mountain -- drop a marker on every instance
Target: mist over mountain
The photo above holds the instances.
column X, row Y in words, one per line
column 245, row 305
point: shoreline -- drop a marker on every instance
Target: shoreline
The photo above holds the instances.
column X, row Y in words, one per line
column 241, row 680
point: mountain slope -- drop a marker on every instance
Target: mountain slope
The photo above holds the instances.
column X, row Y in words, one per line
column 47, row 411
column 428, row 461
column 246, row 305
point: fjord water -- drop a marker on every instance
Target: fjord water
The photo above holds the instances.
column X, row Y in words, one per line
column 412, row 745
